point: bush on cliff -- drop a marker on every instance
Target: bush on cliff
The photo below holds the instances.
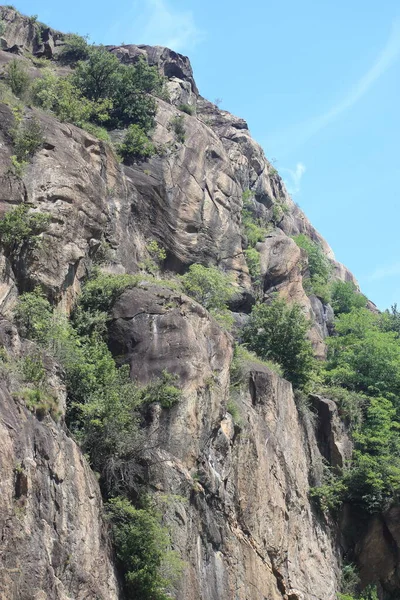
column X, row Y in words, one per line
column 19, row 226
column 17, row 77
column 345, row 297
column 319, row 268
column 142, row 547
column 213, row 289
column 278, row 332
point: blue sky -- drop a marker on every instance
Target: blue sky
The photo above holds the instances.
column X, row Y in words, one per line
column 318, row 83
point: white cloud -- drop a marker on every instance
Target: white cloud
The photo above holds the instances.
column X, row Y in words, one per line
column 302, row 132
column 293, row 178
column 385, row 272
column 156, row 22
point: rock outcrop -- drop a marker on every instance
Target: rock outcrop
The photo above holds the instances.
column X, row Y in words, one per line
column 240, row 514
column 54, row 542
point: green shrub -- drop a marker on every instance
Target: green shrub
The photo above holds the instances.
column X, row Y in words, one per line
column 278, row 331
column 60, row 96
column 254, row 265
column 131, row 98
column 187, row 108
column 100, row 132
column 345, row 297
column 40, row 402
column 233, row 409
column 17, row 77
column 97, row 75
column 176, row 124
column 33, row 315
column 255, row 229
column 2, row 28
column 136, row 145
column 75, row 49
column 329, row 495
column 157, row 255
column 209, row 286
column 32, row 369
column 19, row 226
column 142, row 548
column 32, row 19
column 362, row 357
column 28, row 139
column 163, row 391
column 102, row 290
column 320, row 268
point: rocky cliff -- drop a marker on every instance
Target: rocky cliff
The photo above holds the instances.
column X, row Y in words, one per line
column 240, row 515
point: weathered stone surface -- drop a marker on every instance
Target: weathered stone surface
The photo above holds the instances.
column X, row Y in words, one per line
column 246, row 528
column 53, row 542
column 332, row 437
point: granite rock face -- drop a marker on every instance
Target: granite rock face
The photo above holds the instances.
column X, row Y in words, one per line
column 241, row 517
column 54, row 543
column 240, row 514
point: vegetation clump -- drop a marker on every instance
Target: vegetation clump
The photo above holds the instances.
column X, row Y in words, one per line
column 278, row 332
column 136, row 145
column 17, row 77
column 320, row 270
column 20, row 226
column 212, row 288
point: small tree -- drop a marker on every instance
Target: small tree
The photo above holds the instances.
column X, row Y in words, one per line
column 33, row 315
column 136, row 145
column 278, row 332
column 20, row 226
column 74, row 50
column 209, row 286
column 17, row 77
column 28, row 139
column 345, row 297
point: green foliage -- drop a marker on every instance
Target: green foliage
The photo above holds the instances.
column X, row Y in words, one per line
column 233, row 409
column 345, row 297
column 75, row 49
column 60, row 96
column 157, row 255
column 97, row 298
column 242, row 361
column 2, row 27
column 278, row 332
column 362, row 357
column 187, row 108
column 177, row 126
column 97, row 131
column 102, row 290
column 136, row 145
column 132, row 100
column 19, row 226
column 17, row 77
column 163, row 391
column 330, row 493
column 40, row 402
column 142, row 549
column 32, row 19
column 373, row 480
column 255, row 229
column 28, row 139
column 209, row 286
column 319, row 267
column 254, row 265
column 32, row 369
column 33, row 315
column 390, row 320
column 97, row 76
